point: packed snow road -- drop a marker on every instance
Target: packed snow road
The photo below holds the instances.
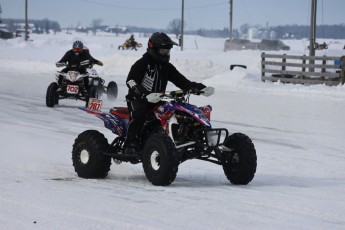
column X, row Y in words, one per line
column 298, row 133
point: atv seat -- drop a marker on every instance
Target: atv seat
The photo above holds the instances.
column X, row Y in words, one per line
column 120, row 112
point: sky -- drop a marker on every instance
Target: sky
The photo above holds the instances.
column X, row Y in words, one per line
column 159, row 13
column 297, row 131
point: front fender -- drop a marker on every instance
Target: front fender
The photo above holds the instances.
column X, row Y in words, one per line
column 196, row 112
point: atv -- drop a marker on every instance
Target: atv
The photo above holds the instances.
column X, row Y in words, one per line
column 127, row 45
column 175, row 131
column 98, row 84
column 73, row 86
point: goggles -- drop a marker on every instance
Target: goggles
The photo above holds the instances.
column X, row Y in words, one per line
column 78, row 50
column 164, row 52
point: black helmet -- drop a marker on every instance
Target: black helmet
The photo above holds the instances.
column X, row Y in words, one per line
column 160, row 40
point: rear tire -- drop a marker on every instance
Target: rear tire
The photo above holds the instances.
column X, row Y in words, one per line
column 112, row 91
column 160, row 161
column 93, row 93
column 240, row 159
column 52, row 96
column 87, row 155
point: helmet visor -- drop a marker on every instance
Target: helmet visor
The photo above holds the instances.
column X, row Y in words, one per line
column 164, row 52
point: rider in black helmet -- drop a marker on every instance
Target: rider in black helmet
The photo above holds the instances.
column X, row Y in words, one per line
column 151, row 73
column 132, row 42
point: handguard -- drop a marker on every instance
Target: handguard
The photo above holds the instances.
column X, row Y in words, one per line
column 154, row 97
column 86, row 62
column 208, row 91
column 60, row 64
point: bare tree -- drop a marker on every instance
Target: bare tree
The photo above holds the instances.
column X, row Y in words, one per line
column 95, row 25
column 46, row 25
column 175, row 27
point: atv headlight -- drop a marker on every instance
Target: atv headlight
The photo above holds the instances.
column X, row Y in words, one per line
column 216, row 137
column 212, row 138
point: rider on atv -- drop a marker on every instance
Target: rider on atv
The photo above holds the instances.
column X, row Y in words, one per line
column 132, row 41
column 150, row 74
column 74, row 57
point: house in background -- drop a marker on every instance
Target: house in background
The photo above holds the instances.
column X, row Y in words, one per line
column 4, row 32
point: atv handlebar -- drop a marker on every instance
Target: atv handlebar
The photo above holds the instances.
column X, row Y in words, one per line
column 60, row 64
column 75, row 66
column 178, row 95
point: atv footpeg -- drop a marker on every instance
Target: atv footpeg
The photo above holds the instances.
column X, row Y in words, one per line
column 133, row 158
column 211, row 137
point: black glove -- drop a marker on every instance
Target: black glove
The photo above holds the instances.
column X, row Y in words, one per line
column 139, row 90
column 100, row 63
column 196, row 88
column 200, row 86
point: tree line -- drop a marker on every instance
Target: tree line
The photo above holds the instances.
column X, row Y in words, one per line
column 281, row 32
column 322, row 31
column 39, row 25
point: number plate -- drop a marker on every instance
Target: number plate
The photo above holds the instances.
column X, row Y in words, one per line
column 95, row 104
column 72, row 89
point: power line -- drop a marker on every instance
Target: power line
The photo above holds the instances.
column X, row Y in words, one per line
column 149, row 9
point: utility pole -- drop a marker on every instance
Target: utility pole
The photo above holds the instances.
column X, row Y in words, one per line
column 26, row 21
column 230, row 27
column 0, row 13
column 312, row 33
column 182, row 20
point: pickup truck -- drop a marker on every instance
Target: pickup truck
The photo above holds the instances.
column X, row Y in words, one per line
column 244, row 44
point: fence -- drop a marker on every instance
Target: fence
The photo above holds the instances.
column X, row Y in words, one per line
column 304, row 69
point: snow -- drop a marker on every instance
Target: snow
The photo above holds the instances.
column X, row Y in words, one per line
column 298, row 132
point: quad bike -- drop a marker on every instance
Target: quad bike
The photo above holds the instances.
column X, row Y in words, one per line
column 175, row 131
column 98, row 84
column 73, row 86
column 127, row 45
